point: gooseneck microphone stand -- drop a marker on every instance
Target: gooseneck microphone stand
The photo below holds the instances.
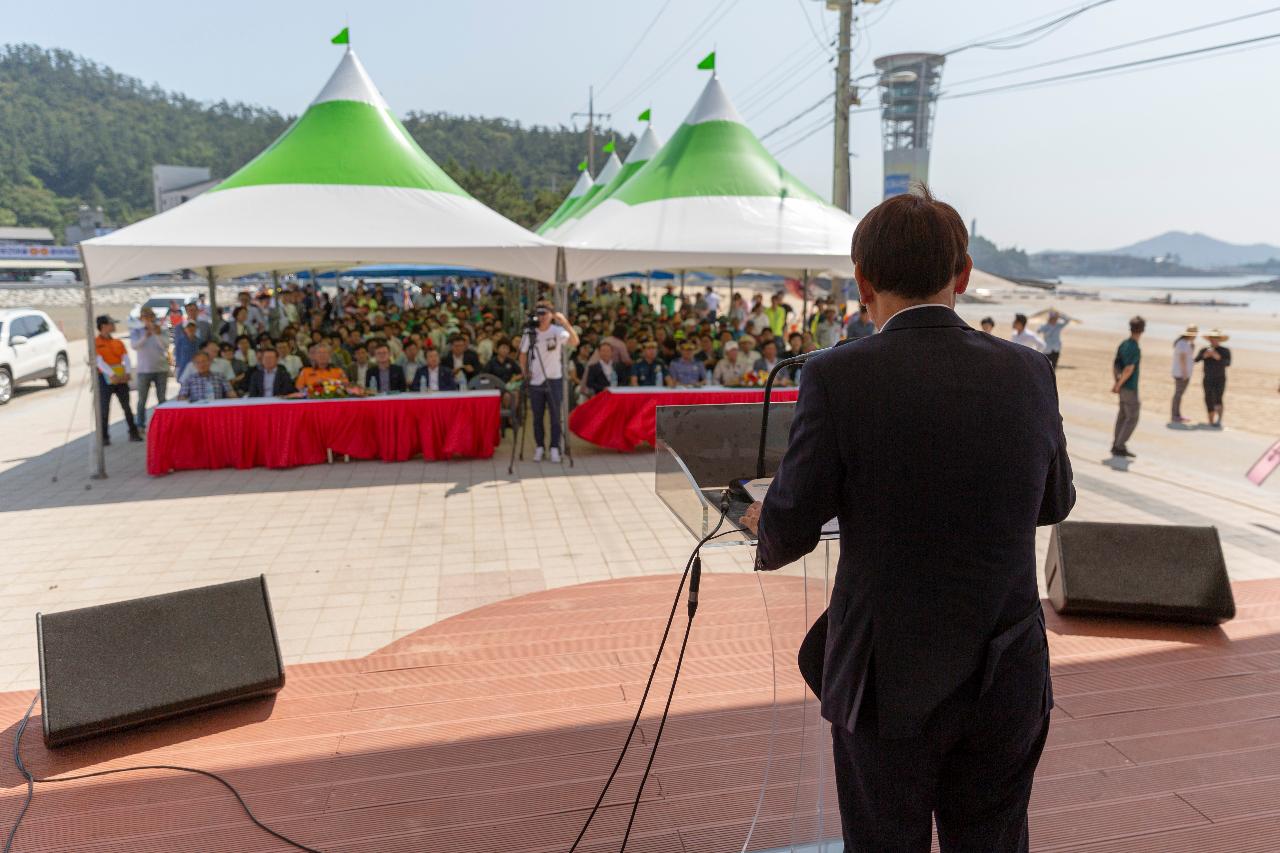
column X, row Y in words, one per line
column 768, row 391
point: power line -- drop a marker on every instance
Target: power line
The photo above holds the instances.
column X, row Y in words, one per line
column 1055, row 15
column 804, row 112
column 1169, row 59
column 1034, row 34
column 1114, row 47
column 635, row 47
column 760, row 109
column 826, row 46
column 722, row 8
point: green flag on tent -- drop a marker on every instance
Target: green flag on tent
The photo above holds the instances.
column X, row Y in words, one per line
column 582, row 167
column 609, row 147
column 644, row 116
column 708, row 63
column 343, row 37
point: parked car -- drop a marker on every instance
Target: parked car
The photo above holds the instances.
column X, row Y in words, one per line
column 31, row 348
column 55, row 277
column 162, row 304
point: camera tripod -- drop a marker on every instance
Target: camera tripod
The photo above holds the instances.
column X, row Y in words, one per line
column 520, row 410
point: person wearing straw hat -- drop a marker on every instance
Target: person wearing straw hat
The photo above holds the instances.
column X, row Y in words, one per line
column 1184, row 351
column 1216, row 359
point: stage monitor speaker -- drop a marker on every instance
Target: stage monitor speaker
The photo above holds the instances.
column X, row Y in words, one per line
column 118, row 665
column 1143, row 571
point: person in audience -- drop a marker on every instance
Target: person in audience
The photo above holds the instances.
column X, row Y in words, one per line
column 706, row 352
column 747, row 344
column 320, row 370
column 604, row 372
column 461, row 361
column 988, row 325
column 239, row 370
column 203, row 330
column 358, row 371
column 860, row 324
column 290, row 362
column 269, row 378
column 383, row 376
column 245, row 351
column 768, row 360
column 238, row 325
column 186, row 343
column 503, row 365
column 730, row 369
column 433, row 376
column 685, row 370
column 151, row 346
column 648, row 370
column 203, row 383
column 829, row 328
column 412, row 359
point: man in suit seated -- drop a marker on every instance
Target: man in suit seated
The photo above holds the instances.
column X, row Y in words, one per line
column 384, row 377
column 605, row 373
column 269, row 378
column 939, row 449
column 461, row 361
column 433, row 376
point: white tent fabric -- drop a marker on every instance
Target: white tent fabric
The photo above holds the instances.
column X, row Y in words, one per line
column 610, row 171
column 711, row 199
column 344, row 186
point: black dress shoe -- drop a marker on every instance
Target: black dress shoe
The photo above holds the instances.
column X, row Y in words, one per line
column 1124, row 451
column 135, row 436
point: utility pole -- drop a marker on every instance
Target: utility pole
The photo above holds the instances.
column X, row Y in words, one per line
column 846, row 96
column 591, row 116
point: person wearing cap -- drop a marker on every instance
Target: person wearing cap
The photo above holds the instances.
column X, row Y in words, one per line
column 1125, row 370
column 730, row 369
column 647, row 370
column 1216, row 359
column 685, row 370
column 1184, row 352
column 1050, row 333
column 543, row 365
column 747, row 344
column 150, row 342
column 114, row 371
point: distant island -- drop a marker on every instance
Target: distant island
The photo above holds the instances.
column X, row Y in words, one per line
column 1175, row 253
column 1272, row 286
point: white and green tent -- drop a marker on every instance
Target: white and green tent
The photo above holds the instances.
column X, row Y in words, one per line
column 345, row 185
column 612, row 167
column 711, row 199
column 579, row 191
column 646, row 146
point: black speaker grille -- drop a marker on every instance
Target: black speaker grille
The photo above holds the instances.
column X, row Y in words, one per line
column 116, row 665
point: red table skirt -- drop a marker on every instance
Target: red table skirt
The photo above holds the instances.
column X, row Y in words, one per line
column 626, row 419
column 285, row 433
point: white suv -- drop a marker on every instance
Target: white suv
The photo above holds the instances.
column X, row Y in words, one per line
column 31, row 347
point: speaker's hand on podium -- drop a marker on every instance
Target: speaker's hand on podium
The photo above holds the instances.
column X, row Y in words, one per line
column 751, row 518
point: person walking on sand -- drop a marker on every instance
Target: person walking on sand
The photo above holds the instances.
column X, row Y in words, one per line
column 1125, row 371
column 1216, row 359
column 1184, row 350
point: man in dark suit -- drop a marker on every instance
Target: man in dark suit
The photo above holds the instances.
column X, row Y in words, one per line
column 461, row 361
column 383, row 376
column 940, row 449
column 269, row 378
column 433, row 376
column 605, row 372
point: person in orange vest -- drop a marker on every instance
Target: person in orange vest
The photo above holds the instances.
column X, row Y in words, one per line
column 114, row 370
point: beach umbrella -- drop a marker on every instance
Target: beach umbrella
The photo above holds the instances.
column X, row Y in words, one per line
column 712, row 198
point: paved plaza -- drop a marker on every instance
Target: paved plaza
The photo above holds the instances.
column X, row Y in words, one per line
column 360, row 554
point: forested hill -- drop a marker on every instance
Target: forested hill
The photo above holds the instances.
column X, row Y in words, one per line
column 73, row 131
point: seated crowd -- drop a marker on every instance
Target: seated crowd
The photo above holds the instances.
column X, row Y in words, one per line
column 283, row 344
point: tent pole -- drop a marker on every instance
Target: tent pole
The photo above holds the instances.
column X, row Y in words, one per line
column 561, row 294
column 681, row 288
column 98, row 458
column 215, row 321
column 804, row 311
column 730, row 308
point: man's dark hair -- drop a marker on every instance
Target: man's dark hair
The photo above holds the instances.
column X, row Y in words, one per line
column 1137, row 324
column 911, row 245
column 1020, row 318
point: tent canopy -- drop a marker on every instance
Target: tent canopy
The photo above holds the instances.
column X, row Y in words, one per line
column 345, row 185
column 576, row 194
column 642, row 153
column 610, row 171
column 712, row 198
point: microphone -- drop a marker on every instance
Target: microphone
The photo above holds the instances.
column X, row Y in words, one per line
column 768, row 390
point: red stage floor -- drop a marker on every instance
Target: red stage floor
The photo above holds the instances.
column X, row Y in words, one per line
column 491, row 733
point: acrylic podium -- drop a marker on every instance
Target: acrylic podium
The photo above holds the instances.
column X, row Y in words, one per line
column 700, row 450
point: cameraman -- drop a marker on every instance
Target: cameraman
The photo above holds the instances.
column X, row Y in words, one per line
column 546, row 372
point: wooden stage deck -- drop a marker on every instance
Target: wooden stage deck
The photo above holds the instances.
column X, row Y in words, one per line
column 491, row 732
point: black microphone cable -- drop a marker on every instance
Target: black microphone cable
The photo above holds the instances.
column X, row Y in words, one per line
column 693, row 574
column 32, row 780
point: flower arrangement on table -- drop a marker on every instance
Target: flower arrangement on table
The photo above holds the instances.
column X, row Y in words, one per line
column 754, row 379
column 333, row 389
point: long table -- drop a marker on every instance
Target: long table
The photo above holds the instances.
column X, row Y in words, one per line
column 624, row 418
column 283, row 433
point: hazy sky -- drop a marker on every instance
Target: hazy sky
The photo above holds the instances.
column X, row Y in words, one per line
column 1087, row 165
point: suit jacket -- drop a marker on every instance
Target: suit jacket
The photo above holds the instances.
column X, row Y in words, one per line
column 940, row 449
column 469, row 359
column 282, row 386
column 395, row 378
column 597, row 381
column 447, row 382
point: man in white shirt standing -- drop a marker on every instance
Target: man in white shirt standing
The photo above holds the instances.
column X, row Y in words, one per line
column 1051, row 333
column 1022, row 336
column 1184, row 354
column 546, row 374
column 713, row 303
